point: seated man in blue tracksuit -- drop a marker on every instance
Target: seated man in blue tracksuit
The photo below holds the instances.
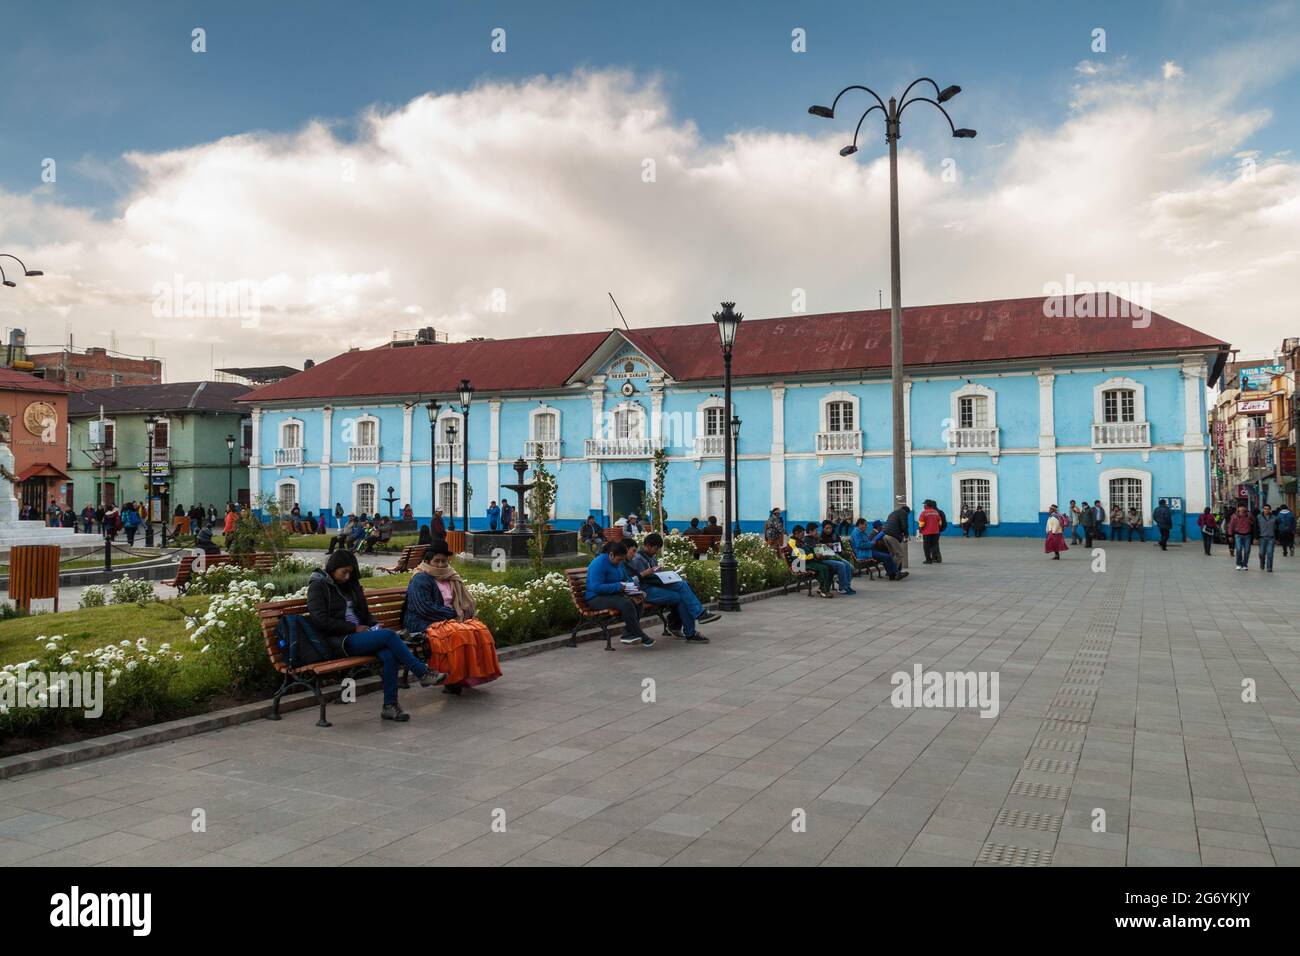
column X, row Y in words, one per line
column 686, row 607
column 869, row 544
column 607, row 578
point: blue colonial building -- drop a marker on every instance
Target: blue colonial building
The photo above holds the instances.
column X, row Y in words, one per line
column 1009, row 405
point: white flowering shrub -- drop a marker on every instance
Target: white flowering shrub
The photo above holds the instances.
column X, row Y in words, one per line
column 138, row 683
column 218, row 578
column 129, row 590
column 93, row 595
column 537, row 609
column 231, row 632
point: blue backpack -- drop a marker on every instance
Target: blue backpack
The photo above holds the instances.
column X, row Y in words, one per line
column 1286, row 522
column 299, row 641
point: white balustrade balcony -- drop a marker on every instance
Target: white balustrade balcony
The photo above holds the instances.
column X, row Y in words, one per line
column 973, row 439
column 839, row 443
column 709, row 446
column 548, row 449
column 288, row 456
column 620, row 448
column 1121, row 435
column 449, row 452
column 363, row 454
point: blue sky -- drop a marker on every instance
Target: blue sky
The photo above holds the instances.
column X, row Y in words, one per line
column 87, row 82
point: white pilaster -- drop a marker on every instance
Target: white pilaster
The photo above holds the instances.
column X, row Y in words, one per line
column 778, row 447
column 255, row 459
column 597, row 392
column 656, row 411
column 1047, row 478
column 1195, row 454
column 907, row 446
column 326, row 446
column 405, row 469
column 494, row 450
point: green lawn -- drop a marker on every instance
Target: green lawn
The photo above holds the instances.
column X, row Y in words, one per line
column 89, row 628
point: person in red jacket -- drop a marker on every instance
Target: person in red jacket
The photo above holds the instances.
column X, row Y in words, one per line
column 929, row 524
column 1240, row 527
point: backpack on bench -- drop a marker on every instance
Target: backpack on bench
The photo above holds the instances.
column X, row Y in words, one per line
column 300, row 642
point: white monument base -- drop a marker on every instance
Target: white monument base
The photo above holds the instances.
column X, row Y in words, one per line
column 14, row 532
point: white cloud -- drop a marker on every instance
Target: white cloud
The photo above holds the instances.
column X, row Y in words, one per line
column 536, row 190
column 1172, row 70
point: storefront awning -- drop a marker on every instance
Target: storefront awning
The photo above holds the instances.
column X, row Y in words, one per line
column 42, row 469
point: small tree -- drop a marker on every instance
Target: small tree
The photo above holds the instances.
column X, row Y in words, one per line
column 251, row 534
column 541, row 499
column 652, row 504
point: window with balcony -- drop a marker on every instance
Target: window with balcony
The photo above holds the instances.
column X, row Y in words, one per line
column 712, row 424
column 290, row 450
column 544, row 434
column 625, row 435
column 840, row 432
column 1119, row 416
column 364, row 449
column 449, row 424
column 974, row 425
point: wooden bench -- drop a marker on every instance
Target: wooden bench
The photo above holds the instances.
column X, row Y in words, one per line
column 703, row 542
column 800, row 579
column 871, row 566
column 261, row 561
column 386, row 606
column 410, row 557
column 587, row 615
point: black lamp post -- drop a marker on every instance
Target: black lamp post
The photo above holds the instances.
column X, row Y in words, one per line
column 893, row 114
column 466, row 396
column 151, row 425
column 728, row 321
column 5, row 280
column 230, row 468
column 735, row 465
column 433, row 408
column 451, row 474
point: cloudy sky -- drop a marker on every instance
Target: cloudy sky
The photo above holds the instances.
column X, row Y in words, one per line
column 323, row 180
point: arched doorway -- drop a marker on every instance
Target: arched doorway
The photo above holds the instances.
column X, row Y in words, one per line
column 625, row 496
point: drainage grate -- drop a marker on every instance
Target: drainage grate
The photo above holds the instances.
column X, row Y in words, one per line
column 1000, row 854
column 1028, row 819
column 1049, row 765
column 1039, row 791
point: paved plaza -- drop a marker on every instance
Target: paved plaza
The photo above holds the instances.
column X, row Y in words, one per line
column 776, row 744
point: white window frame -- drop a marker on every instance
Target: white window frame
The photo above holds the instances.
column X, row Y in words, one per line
column 302, row 432
column 356, row 495
column 455, row 483
column 982, row 473
column 288, row 482
column 445, row 416
column 972, row 390
column 357, row 423
column 537, row 413
column 823, row 493
column 1103, row 487
column 823, row 410
column 629, row 406
column 702, row 415
column 1099, row 398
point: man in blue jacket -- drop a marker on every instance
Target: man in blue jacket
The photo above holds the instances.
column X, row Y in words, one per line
column 1164, row 520
column 870, row 544
column 607, row 589
column 493, row 516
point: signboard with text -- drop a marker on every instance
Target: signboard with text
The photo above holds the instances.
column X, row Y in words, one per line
column 1259, row 378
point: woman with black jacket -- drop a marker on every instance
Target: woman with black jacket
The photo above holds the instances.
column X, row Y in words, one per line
column 336, row 605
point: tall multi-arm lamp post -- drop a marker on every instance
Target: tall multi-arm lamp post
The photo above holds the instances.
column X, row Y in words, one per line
column 150, row 424
column 451, row 474
column 893, row 114
column 728, row 321
column 230, row 469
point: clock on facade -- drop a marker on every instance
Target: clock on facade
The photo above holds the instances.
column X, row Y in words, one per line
column 38, row 416
column 628, row 388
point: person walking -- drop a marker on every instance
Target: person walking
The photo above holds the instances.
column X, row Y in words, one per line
column 1207, row 523
column 130, row 522
column 1240, row 527
column 1286, row 531
column 1164, row 520
column 1076, row 522
column 928, row 524
column 1266, row 526
column 1055, row 542
column 773, row 529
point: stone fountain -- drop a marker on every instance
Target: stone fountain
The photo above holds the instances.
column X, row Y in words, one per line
column 484, row 544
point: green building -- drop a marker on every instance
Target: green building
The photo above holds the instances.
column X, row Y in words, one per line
column 201, row 444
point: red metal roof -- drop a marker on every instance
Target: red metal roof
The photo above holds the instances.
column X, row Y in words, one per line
column 972, row 332
column 25, row 381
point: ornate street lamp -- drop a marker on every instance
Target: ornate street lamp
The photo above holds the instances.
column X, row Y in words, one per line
column 433, row 408
column 466, row 396
column 728, row 321
column 893, row 114
column 230, row 468
column 6, row 281
column 451, row 474
column 151, row 426
column 735, row 464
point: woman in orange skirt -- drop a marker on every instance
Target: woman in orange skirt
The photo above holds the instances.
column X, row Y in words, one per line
column 439, row 605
